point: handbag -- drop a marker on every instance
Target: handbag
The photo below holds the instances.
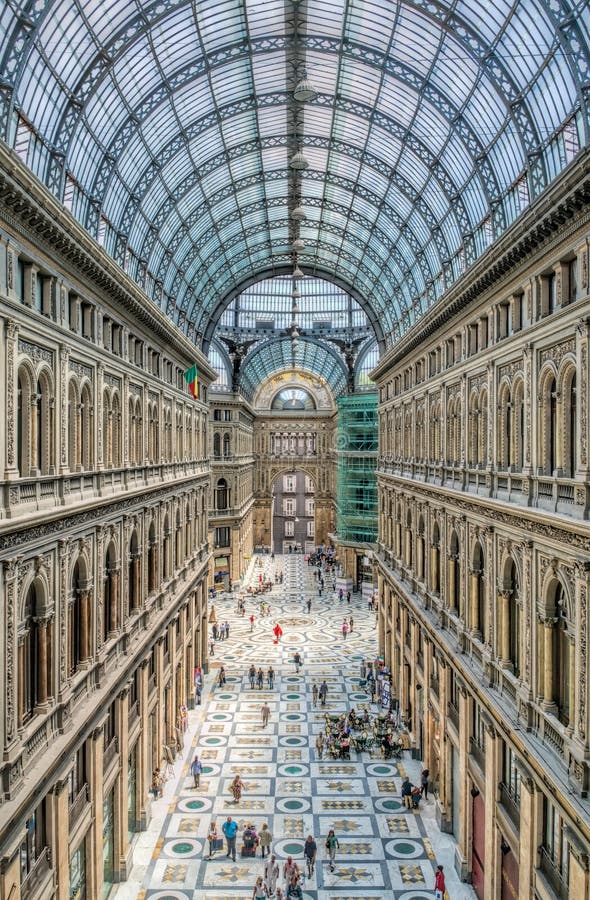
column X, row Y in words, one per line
column 217, row 843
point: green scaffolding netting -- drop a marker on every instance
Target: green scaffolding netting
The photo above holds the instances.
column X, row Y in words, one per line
column 356, row 451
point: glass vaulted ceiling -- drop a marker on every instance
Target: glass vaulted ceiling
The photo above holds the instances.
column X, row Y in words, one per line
column 166, row 127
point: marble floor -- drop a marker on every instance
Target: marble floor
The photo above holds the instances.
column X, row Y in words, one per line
column 386, row 851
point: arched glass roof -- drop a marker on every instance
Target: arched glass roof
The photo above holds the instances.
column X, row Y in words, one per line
column 293, row 399
column 167, row 127
column 276, row 355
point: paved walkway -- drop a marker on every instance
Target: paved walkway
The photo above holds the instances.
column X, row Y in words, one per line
column 386, row 851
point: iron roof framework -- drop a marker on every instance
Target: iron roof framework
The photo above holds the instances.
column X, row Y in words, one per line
column 167, row 127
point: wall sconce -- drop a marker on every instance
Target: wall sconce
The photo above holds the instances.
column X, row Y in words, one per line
column 474, row 792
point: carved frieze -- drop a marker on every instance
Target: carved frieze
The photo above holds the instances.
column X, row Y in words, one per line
column 35, row 352
column 557, row 352
column 81, row 370
column 112, row 381
column 510, row 370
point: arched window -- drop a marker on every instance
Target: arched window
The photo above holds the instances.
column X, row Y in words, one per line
column 187, row 532
column 107, row 445
column 138, row 433
column 29, row 656
column 514, row 618
column 562, row 648
column 398, row 532
column 226, row 445
column 110, row 593
column 420, row 550
column 517, row 446
column 132, row 434
column 87, row 433
column 23, row 422
column 116, row 432
column 134, row 574
column 152, row 559
column 216, row 445
column 79, row 624
column 44, row 458
column 435, row 560
column 482, row 436
column 74, row 425
column 478, row 612
column 454, row 576
column 178, row 542
column 549, row 425
column 221, row 499
column 473, row 430
column 166, row 550
column 409, row 554
column 570, row 420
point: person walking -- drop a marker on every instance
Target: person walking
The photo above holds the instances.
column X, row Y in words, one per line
column 310, row 849
column 265, row 840
column 270, row 675
column 252, row 675
column 320, row 745
column 323, row 692
column 344, row 629
column 439, row 883
column 348, row 596
column 230, row 829
column 314, row 693
column 351, row 624
column 424, row 778
column 331, row 846
column 271, row 873
column 260, row 891
column 196, row 770
column 309, row 605
column 213, row 838
column 260, row 679
column 297, row 661
column 227, row 630
column 290, row 870
column 221, row 677
column 252, row 622
column 294, row 891
column 265, row 710
column 236, row 788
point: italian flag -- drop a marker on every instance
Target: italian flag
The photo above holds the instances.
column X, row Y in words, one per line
column 191, row 378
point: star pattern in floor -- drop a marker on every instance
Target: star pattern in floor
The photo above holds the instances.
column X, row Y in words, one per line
column 385, row 849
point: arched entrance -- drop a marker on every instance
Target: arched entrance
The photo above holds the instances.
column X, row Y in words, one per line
column 293, row 512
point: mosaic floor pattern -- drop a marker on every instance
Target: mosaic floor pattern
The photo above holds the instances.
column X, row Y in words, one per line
column 386, row 851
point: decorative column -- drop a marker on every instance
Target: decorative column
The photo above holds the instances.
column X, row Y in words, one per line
column 9, row 673
column 434, row 568
column 473, row 622
column 103, row 455
column 84, row 626
column 58, row 837
column 114, row 576
column 451, row 579
column 548, row 703
column 582, row 713
column 11, row 375
column 583, row 402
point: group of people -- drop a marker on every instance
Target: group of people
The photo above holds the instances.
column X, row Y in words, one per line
column 256, row 677
column 412, row 793
column 220, row 631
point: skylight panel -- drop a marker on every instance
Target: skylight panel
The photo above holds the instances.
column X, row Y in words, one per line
column 231, row 81
column 239, row 129
column 456, row 160
column 175, row 41
column 316, row 122
column 349, row 128
column 487, row 19
column 193, row 101
column 371, row 22
column 552, row 96
column 475, row 200
column 136, row 74
column 344, row 166
column 485, row 111
column 220, row 22
column 105, row 18
column 431, row 127
column 359, row 82
column 455, row 71
column 416, row 40
column 105, row 112
column 265, row 17
column 398, row 101
column 269, row 73
column 67, row 43
column 413, row 169
column 325, row 17
column 506, row 157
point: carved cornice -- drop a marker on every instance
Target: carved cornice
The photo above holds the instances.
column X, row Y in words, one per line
column 519, row 519
column 19, row 534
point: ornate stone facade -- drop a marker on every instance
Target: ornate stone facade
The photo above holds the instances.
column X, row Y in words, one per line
column 105, row 558
column 483, row 562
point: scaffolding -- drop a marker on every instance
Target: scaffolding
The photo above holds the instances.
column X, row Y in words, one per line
column 356, row 454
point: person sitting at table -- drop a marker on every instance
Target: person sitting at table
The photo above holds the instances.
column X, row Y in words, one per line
column 366, row 718
column 345, row 748
column 386, row 745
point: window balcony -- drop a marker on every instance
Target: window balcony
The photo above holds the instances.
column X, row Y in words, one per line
column 552, row 874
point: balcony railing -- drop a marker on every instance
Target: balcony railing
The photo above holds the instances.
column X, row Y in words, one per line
column 78, row 805
column 552, row 874
column 37, row 875
column 510, row 804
